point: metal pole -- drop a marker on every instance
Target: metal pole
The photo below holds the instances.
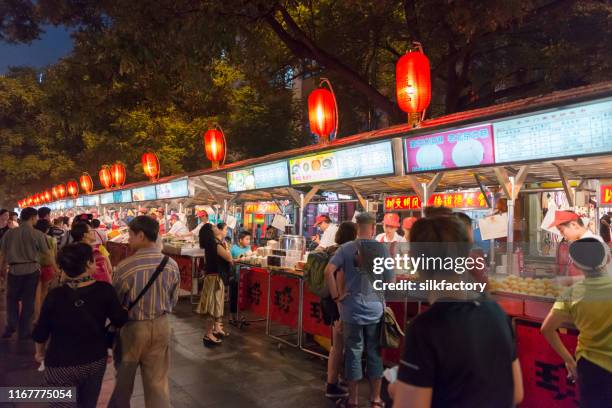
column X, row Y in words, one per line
column 301, row 215
column 492, row 243
column 510, row 240
column 166, row 226
column 224, row 210
column 425, row 199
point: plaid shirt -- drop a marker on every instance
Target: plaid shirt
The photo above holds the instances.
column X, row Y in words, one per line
column 132, row 275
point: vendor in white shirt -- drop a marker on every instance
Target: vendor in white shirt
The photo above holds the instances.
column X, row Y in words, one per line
column 391, row 224
column 203, row 217
column 329, row 229
column 178, row 227
column 571, row 226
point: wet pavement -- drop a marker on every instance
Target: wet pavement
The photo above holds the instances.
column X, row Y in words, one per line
column 248, row 370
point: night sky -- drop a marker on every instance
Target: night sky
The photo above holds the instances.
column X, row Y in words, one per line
column 53, row 44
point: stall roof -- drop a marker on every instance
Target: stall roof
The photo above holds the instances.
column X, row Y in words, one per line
column 580, row 168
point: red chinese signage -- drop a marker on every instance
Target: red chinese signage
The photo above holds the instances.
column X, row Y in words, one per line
column 312, row 315
column 474, row 199
column 285, row 300
column 253, row 290
column 606, row 195
column 544, row 374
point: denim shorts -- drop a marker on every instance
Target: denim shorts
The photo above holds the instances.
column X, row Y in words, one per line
column 357, row 339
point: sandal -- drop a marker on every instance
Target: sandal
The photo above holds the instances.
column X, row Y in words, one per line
column 379, row 404
column 344, row 403
column 208, row 342
column 221, row 334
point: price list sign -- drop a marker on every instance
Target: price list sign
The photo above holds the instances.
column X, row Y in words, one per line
column 567, row 132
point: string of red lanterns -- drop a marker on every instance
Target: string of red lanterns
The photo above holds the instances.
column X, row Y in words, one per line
column 86, row 183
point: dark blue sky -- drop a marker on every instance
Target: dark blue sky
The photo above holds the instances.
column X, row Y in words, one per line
column 53, row 44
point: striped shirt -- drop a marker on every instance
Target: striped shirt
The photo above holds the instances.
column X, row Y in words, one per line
column 132, row 275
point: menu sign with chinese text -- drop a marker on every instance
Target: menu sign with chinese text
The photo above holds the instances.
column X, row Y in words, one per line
column 374, row 159
column 457, row 148
column 258, row 177
column 606, row 195
column 576, row 131
column 175, row 189
column 468, row 200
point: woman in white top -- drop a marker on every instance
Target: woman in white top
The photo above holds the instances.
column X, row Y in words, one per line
column 391, row 224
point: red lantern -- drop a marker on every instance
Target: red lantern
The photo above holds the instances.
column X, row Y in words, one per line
column 86, row 183
column 54, row 192
column 322, row 113
column 413, row 84
column 105, row 177
column 61, row 191
column 118, row 174
column 150, row 165
column 30, row 200
column 48, row 196
column 73, row 188
column 214, row 145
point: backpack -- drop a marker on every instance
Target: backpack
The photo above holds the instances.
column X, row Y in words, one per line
column 314, row 273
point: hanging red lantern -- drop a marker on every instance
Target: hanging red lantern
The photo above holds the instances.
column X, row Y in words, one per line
column 214, row 145
column 105, row 177
column 54, row 192
column 48, row 196
column 30, row 200
column 413, row 84
column 61, row 191
column 118, row 174
column 150, row 165
column 86, row 183
column 323, row 112
column 73, row 188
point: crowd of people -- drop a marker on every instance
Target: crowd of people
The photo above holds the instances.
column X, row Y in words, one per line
column 62, row 291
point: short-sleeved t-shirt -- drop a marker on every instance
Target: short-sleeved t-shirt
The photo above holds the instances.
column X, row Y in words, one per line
column 464, row 351
column 238, row 251
column 22, row 248
column 589, row 303
column 362, row 305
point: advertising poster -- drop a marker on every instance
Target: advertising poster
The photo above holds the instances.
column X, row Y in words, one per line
column 448, row 150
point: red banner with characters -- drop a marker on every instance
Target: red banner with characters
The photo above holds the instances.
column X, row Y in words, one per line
column 184, row 264
column 544, row 374
column 474, row 199
column 606, row 195
column 253, row 290
column 285, row 300
column 312, row 315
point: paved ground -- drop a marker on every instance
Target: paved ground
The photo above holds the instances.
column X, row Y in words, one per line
column 249, row 370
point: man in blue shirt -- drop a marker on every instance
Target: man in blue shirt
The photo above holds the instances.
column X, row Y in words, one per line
column 361, row 309
column 238, row 250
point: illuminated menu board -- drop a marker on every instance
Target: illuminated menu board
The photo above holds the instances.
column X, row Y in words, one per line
column 69, row 203
column 123, row 196
column 174, row 189
column 564, row 132
column 258, row 177
column 466, row 147
column 79, row 202
column 374, row 159
column 144, row 193
column 107, row 198
column 91, row 201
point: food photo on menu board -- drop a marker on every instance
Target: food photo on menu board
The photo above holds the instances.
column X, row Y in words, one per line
column 241, row 180
column 174, row 189
column 453, row 149
column 320, row 167
column 144, row 194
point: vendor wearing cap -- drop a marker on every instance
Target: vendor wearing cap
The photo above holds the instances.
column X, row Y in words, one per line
column 588, row 306
column 329, row 231
column 178, row 227
column 570, row 226
column 407, row 225
column 391, row 224
column 203, row 217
